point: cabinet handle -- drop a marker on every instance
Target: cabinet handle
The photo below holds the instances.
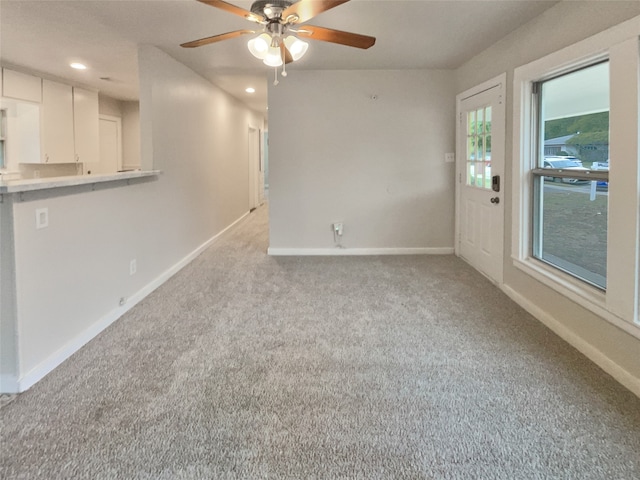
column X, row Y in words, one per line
column 46, row 158
column 77, row 157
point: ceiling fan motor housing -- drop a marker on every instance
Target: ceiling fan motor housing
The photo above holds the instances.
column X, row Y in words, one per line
column 271, row 9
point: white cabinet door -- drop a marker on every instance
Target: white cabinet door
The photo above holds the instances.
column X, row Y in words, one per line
column 57, row 123
column 21, row 86
column 22, row 127
column 86, row 127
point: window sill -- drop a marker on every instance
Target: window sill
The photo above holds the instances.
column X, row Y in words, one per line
column 588, row 297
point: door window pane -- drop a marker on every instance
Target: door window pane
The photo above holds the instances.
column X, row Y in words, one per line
column 479, row 148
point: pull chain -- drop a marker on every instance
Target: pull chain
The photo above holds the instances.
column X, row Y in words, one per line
column 284, row 63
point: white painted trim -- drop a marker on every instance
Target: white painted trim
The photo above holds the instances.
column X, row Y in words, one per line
column 483, row 87
column 628, row 380
column 8, row 383
column 620, row 45
column 582, row 294
column 358, row 251
column 43, row 368
column 499, row 81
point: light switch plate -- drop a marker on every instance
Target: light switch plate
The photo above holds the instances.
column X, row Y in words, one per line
column 42, row 218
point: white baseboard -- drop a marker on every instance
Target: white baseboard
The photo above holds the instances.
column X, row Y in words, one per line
column 596, row 356
column 76, row 343
column 358, row 251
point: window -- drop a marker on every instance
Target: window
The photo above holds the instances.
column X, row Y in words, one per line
column 576, row 222
column 570, row 207
column 479, row 148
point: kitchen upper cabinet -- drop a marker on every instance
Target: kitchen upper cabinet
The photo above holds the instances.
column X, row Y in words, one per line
column 57, row 123
column 86, row 125
column 21, row 86
column 22, row 127
column 69, row 127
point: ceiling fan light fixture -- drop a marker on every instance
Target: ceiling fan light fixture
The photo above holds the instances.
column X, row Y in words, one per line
column 297, row 48
column 273, row 57
column 259, row 46
column 278, row 18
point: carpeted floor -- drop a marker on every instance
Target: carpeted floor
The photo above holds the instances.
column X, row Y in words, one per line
column 246, row 366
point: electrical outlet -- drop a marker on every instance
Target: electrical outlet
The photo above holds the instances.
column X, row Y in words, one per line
column 449, row 157
column 133, row 267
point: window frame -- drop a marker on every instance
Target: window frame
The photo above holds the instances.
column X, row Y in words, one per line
column 619, row 45
column 539, row 173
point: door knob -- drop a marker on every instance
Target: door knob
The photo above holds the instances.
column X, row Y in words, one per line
column 495, row 200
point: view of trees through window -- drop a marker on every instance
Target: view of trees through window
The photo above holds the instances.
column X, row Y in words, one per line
column 588, row 136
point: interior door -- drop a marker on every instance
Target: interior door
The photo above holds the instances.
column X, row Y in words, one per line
column 255, row 169
column 261, row 177
column 109, row 131
column 480, row 168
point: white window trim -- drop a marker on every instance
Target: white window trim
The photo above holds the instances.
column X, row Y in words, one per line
column 620, row 44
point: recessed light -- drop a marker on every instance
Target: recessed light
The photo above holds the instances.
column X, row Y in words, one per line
column 250, row 90
column 78, row 66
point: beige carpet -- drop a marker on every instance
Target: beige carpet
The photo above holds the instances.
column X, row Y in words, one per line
column 246, row 366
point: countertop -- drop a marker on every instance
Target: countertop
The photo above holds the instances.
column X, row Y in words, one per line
column 16, row 186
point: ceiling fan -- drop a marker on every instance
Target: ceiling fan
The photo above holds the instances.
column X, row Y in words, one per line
column 275, row 46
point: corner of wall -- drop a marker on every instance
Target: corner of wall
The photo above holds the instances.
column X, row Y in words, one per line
column 8, row 303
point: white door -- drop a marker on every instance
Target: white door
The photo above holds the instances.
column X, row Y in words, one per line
column 480, row 172
column 254, row 168
column 109, row 131
column 261, row 178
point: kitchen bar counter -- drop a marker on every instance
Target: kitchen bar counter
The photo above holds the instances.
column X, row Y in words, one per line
column 18, row 186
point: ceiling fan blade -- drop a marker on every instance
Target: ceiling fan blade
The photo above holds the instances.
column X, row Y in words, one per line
column 284, row 51
column 215, row 38
column 336, row 36
column 307, row 9
column 228, row 7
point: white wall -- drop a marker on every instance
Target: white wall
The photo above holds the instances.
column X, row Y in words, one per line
column 70, row 276
column 8, row 327
column 557, row 28
column 109, row 106
column 44, row 170
column 337, row 155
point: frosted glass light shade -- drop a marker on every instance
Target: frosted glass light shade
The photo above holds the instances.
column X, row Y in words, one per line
column 297, row 48
column 273, row 57
column 259, row 46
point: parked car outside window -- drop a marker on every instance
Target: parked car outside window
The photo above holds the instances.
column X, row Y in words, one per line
column 564, row 163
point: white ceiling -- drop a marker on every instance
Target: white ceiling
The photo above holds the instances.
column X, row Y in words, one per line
column 45, row 36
